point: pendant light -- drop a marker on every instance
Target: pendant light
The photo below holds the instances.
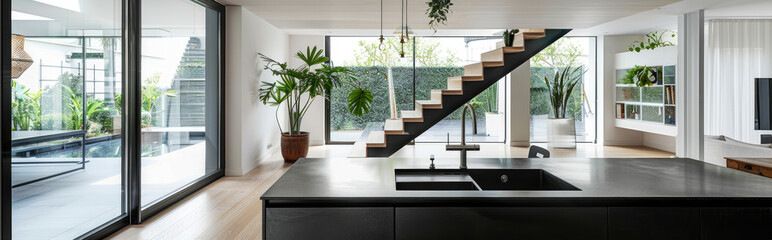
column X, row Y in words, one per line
column 20, row 60
column 403, row 32
column 380, row 46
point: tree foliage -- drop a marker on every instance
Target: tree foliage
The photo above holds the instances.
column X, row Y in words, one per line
column 428, row 54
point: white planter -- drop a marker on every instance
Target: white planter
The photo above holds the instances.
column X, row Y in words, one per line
column 561, row 133
column 116, row 124
column 493, row 123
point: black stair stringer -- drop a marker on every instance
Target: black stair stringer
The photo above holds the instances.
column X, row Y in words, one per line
column 471, row 89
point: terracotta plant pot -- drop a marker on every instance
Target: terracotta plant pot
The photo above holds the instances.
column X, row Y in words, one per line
column 294, row 146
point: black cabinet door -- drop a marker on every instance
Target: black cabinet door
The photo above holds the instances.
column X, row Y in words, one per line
column 329, row 223
column 736, row 223
column 661, row 223
column 500, row 223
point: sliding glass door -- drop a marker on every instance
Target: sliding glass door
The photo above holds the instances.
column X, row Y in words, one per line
column 65, row 169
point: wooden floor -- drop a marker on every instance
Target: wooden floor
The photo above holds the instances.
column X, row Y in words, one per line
column 230, row 208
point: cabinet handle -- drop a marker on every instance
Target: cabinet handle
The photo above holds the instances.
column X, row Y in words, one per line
column 749, row 167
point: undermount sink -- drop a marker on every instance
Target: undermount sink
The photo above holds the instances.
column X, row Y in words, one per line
column 480, row 180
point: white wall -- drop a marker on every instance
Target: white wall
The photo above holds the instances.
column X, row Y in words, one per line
column 252, row 134
column 519, row 112
column 313, row 122
column 608, row 133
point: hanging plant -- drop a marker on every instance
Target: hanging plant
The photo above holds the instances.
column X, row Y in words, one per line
column 643, row 76
column 438, row 11
column 653, row 40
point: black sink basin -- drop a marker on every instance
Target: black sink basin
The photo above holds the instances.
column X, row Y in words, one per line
column 480, row 179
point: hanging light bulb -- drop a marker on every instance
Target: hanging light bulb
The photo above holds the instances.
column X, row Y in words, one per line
column 380, row 46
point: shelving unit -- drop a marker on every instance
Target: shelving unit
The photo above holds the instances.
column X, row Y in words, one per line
column 651, row 104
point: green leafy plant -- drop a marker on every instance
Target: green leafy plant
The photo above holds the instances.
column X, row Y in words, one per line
column 438, row 12
column 628, row 77
column 25, row 106
column 642, row 76
column 560, row 89
column 299, row 87
column 151, row 94
column 509, row 36
column 653, row 40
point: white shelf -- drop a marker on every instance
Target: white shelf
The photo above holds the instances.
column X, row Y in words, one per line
column 644, row 126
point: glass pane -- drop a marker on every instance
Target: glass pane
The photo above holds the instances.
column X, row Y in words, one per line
column 372, row 67
column 628, row 94
column 633, row 112
column 652, row 94
column 179, row 96
column 670, row 115
column 577, row 52
column 621, row 77
column 652, row 114
column 670, row 70
column 442, row 57
column 66, row 156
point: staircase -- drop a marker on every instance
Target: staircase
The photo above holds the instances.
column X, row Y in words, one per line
column 477, row 77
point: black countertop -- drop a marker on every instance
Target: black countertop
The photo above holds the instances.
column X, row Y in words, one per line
column 628, row 179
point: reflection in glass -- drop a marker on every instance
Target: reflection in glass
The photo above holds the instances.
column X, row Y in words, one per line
column 66, row 153
column 179, row 96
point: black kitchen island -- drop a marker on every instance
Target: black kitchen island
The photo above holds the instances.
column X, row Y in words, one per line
column 652, row 198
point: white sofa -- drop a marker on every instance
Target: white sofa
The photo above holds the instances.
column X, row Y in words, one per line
column 718, row 147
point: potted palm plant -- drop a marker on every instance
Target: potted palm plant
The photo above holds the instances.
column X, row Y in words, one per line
column 561, row 129
column 297, row 88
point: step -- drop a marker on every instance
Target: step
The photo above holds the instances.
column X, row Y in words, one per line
column 428, row 104
column 455, row 84
column 473, row 70
column 468, row 78
column 533, row 33
column 394, row 127
column 493, row 58
column 436, row 95
column 358, row 150
column 412, row 116
column 376, row 139
column 517, row 46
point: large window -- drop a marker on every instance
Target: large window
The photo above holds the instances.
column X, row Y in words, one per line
column 179, row 96
column 70, row 174
column 427, row 64
column 568, row 51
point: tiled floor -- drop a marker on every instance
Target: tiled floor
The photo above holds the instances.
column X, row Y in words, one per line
column 230, row 208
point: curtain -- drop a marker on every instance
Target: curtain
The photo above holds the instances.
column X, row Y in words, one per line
column 737, row 51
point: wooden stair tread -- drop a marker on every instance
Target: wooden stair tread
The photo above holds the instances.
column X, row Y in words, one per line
column 429, row 102
column 376, row 139
column 474, row 69
column 393, row 125
column 412, row 116
column 468, row 78
column 533, row 33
